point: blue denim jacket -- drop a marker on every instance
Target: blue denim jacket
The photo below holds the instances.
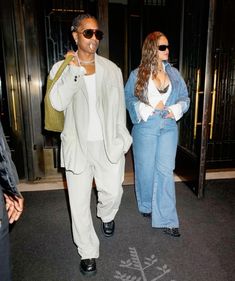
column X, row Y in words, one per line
column 179, row 93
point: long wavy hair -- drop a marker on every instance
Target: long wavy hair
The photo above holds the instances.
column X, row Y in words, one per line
column 148, row 65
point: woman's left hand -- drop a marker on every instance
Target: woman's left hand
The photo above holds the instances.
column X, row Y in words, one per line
column 170, row 115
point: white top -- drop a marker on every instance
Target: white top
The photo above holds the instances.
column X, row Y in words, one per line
column 154, row 97
column 94, row 127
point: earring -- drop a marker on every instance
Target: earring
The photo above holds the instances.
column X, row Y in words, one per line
column 76, row 41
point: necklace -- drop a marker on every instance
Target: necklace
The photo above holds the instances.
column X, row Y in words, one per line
column 160, row 67
column 161, row 82
column 84, row 62
column 87, row 62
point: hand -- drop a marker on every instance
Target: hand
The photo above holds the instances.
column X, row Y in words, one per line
column 160, row 105
column 74, row 61
column 14, row 207
column 170, row 114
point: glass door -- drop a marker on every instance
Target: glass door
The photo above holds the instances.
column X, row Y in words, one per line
column 207, row 132
column 195, row 67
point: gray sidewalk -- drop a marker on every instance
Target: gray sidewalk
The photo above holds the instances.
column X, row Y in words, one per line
column 43, row 250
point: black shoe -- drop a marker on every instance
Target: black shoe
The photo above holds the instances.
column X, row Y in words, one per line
column 172, row 231
column 147, row 215
column 108, row 228
column 88, row 267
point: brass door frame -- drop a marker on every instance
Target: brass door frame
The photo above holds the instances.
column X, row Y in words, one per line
column 192, row 147
column 207, row 97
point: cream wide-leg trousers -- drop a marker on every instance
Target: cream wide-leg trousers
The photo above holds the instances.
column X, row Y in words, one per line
column 108, row 178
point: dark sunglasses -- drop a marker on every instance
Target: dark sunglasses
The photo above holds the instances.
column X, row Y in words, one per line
column 163, row 47
column 88, row 33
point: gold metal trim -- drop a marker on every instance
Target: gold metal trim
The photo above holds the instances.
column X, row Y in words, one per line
column 213, row 104
column 196, row 104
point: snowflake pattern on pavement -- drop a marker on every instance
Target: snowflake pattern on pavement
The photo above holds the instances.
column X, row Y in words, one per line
column 135, row 264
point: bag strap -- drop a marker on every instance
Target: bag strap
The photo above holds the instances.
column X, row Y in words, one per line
column 60, row 70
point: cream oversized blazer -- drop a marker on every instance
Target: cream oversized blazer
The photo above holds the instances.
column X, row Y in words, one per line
column 69, row 95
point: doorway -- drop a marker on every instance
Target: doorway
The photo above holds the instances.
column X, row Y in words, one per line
column 207, row 134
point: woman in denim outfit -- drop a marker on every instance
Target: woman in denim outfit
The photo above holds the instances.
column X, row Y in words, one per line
column 156, row 98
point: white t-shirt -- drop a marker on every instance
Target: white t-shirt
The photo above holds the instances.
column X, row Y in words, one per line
column 154, row 97
column 94, row 127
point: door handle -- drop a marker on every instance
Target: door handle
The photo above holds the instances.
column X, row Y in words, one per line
column 213, row 104
column 196, row 104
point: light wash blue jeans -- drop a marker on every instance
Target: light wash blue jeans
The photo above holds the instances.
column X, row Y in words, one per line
column 154, row 149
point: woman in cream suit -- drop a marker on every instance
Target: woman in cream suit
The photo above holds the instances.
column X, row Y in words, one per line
column 95, row 138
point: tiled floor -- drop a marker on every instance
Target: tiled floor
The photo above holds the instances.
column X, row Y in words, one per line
column 58, row 183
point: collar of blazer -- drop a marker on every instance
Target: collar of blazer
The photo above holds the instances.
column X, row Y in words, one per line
column 99, row 71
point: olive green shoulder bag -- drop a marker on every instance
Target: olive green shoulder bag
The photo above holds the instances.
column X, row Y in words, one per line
column 54, row 120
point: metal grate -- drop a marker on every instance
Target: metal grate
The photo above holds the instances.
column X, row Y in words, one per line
column 58, row 18
column 68, row 5
column 155, row 2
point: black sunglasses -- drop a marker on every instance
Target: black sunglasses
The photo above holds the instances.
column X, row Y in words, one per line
column 163, row 47
column 88, row 33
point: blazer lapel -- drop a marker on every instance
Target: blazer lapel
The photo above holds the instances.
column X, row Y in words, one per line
column 99, row 76
column 99, row 86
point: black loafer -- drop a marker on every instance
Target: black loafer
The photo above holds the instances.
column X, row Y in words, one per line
column 108, row 228
column 172, row 231
column 88, row 267
column 147, row 215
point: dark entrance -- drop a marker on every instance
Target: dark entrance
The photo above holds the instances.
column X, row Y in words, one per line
column 207, row 134
column 33, row 37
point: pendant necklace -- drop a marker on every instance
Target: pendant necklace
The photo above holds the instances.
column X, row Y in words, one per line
column 87, row 62
column 81, row 69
